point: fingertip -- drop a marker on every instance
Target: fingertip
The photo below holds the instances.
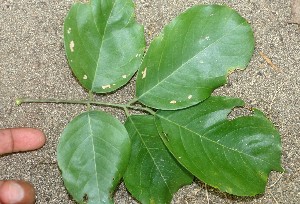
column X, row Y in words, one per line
column 36, row 136
column 28, row 139
column 21, row 139
column 16, row 192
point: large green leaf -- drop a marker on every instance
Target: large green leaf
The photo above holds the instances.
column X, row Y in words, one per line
column 103, row 43
column 193, row 56
column 235, row 156
column 93, row 153
column 153, row 174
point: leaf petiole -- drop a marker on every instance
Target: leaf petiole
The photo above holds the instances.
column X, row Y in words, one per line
column 125, row 107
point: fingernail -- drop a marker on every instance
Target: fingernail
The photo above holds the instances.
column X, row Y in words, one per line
column 16, row 193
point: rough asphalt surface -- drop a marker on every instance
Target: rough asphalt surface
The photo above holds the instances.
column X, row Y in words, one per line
column 33, row 64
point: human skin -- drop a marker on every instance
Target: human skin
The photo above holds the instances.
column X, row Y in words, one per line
column 18, row 140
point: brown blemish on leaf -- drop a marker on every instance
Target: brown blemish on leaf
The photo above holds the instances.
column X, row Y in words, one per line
column 106, row 86
column 173, row 102
column 144, row 73
column 72, row 45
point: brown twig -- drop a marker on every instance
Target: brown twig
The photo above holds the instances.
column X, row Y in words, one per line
column 269, row 61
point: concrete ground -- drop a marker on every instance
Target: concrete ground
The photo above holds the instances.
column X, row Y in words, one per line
column 33, row 64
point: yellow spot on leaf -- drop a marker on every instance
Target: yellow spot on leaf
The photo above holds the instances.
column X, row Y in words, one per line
column 72, row 45
column 173, row 102
column 106, row 86
column 84, row 77
column 190, row 96
column 69, row 30
column 144, row 73
column 124, row 76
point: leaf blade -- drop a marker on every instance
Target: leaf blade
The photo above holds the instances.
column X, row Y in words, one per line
column 103, row 43
column 193, row 54
column 153, row 175
column 92, row 154
column 234, row 156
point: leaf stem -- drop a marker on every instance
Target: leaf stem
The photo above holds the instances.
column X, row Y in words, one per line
column 132, row 101
column 125, row 107
column 91, row 97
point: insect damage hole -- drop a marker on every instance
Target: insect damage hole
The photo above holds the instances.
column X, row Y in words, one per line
column 72, row 45
column 106, row 86
column 144, row 73
column 239, row 112
column 85, row 198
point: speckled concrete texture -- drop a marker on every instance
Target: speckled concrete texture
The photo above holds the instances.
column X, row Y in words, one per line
column 33, row 64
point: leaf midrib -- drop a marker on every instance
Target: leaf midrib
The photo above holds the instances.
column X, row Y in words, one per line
column 182, row 65
column 136, row 129
column 104, row 33
column 212, row 141
column 94, row 153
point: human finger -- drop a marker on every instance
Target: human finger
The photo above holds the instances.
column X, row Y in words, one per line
column 20, row 139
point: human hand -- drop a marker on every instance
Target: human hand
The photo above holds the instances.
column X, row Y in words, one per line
column 16, row 140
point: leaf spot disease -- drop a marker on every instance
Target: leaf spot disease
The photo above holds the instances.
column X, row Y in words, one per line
column 207, row 38
column 144, row 73
column 106, row 86
column 124, row 76
column 85, row 77
column 190, row 97
column 69, row 30
column 72, row 45
column 173, row 102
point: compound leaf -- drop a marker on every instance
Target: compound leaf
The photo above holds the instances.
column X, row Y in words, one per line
column 153, row 174
column 193, row 56
column 235, row 156
column 103, row 42
column 93, row 153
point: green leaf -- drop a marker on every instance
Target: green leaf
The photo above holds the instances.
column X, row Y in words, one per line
column 93, row 153
column 153, row 174
column 103, row 42
column 193, row 56
column 235, row 156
